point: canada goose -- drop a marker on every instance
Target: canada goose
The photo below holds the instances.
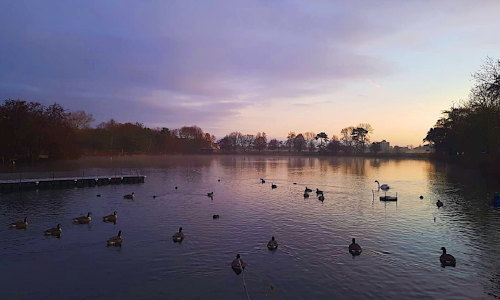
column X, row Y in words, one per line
column 98, row 195
column 262, row 181
column 447, row 260
column 308, row 190
column 83, row 219
column 383, row 187
column 178, row 236
column 215, row 217
column 295, row 183
column 439, row 203
column 421, row 197
column 306, row 195
column 321, row 198
column 129, row 196
column 154, row 196
column 20, row 225
column 354, row 248
column 272, row 244
column 175, row 187
column 211, row 194
column 218, row 180
column 116, row 240
column 273, row 186
column 110, row 218
column 54, row 231
column 319, row 192
column 238, row 264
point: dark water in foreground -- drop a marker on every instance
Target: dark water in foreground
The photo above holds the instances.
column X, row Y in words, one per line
column 401, row 241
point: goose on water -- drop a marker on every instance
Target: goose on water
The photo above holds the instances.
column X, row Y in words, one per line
column 439, row 203
column 308, row 190
column 116, row 240
column 20, row 225
column 273, row 186
column 83, row 219
column 129, row 196
column 238, row 264
column 354, row 248
column 447, row 260
column 178, row 236
column 54, row 231
column 272, row 244
column 110, row 218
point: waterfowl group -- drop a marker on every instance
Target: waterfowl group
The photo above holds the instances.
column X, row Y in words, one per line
column 272, row 244
column 178, row 236
column 110, row 218
column 116, row 240
column 20, row 225
column 131, row 196
column 83, row 219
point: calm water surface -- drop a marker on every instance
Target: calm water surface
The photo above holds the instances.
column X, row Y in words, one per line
column 401, row 241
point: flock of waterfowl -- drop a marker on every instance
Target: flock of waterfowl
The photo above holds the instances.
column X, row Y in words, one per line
column 238, row 265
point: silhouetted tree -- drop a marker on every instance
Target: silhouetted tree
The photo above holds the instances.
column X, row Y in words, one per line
column 260, row 142
column 289, row 140
column 299, row 142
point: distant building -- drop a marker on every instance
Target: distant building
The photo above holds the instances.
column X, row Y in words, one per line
column 385, row 146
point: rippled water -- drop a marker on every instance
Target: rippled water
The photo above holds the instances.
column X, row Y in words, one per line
column 401, row 241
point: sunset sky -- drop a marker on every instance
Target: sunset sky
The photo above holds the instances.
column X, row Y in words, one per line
column 250, row 66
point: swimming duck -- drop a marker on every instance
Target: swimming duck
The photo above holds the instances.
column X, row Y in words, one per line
column 321, row 198
column 83, row 219
column 383, row 187
column 273, row 186
column 439, row 203
column 272, row 244
column 238, row 264
column 308, row 190
column 129, row 196
column 211, row 194
column 306, row 195
column 20, row 225
column 215, row 217
column 54, row 231
column 319, row 192
column 110, row 218
column 116, row 240
column 354, row 248
column 262, row 181
column 178, row 236
column 447, row 260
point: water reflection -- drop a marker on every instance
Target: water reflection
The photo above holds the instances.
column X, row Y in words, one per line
column 401, row 241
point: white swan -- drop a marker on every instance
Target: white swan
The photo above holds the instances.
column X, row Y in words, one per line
column 383, row 187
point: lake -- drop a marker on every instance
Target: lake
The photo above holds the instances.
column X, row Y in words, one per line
column 401, row 240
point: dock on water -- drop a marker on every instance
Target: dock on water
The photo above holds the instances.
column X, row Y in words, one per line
column 7, row 186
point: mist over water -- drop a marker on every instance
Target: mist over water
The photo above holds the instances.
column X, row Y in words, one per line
column 401, row 241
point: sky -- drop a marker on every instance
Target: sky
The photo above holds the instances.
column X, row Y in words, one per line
column 250, row 66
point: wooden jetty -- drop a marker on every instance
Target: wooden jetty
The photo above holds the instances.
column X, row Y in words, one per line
column 60, row 183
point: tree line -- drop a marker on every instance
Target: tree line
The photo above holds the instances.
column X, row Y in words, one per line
column 472, row 128
column 354, row 139
column 30, row 131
